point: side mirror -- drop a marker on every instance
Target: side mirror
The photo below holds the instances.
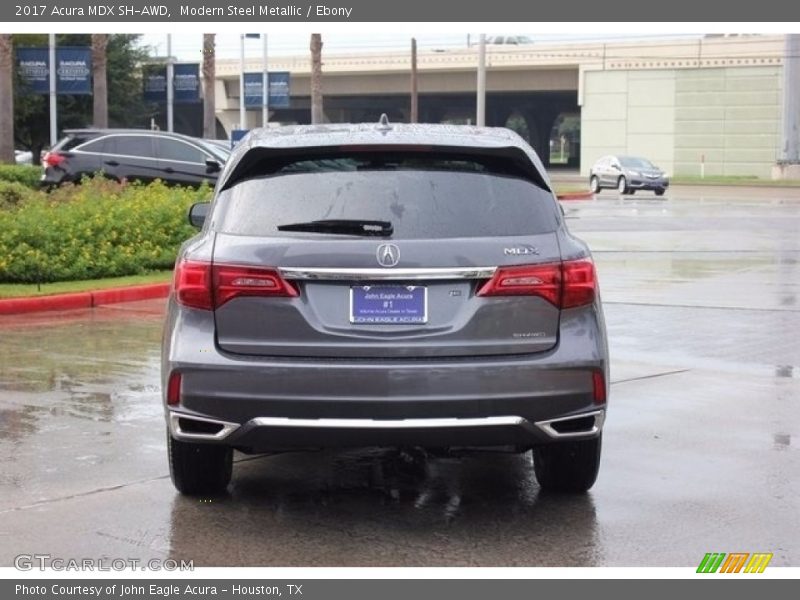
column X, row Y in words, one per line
column 198, row 213
column 212, row 166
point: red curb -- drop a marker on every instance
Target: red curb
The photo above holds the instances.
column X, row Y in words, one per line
column 575, row 196
column 130, row 294
column 13, row 306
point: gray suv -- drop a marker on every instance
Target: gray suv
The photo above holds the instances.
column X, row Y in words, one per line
column 627, row 174
column 380, row 285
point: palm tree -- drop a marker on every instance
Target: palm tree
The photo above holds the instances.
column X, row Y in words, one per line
column 100, row 79
column 6, row 99
column 316, row 78
column 209, row 82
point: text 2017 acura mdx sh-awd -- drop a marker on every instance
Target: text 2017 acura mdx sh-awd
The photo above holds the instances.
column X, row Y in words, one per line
column 379, row 285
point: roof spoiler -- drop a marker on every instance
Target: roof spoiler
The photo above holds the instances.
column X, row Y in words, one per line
column 256, row 160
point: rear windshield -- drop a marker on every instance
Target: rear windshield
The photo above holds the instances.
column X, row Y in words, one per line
column 421, row 196
column 71, row 141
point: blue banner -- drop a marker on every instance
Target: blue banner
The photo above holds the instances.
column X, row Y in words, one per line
column 73, row 70
column 237, row 135
column 186, row 80
column 155, row 83
column 278, row 89
column 34, row 69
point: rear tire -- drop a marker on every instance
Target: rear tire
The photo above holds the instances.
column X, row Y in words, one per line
column 622, row 185
column 659, row 192
column 199, row 469
column 567, row 466
column 594, row 184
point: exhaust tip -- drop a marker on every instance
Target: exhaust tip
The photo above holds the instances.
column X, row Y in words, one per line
column 202, row 427
column 579, row 425
column 190, row 427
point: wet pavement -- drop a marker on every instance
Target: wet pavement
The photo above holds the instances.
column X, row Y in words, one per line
column 702, row 300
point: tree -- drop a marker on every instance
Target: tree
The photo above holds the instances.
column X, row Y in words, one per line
column 6, row 99
column 209, row 82
column 99, row 79
column 316, row 78
column 126, row 106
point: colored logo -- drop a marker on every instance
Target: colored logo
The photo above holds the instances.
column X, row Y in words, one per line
column 735, row 562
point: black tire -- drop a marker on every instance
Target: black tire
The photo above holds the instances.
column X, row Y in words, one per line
column 567, row 466
column 199, row 469
column 622, row 185
column 659, row 192
column 594, row 184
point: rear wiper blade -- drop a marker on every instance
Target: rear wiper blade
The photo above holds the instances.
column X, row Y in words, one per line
column 343, row 226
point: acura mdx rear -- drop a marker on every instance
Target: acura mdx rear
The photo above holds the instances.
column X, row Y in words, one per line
column 380, row 285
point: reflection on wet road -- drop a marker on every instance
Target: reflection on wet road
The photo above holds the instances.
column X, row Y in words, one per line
column 700, row 451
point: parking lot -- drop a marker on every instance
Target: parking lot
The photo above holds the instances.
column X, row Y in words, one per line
column 702, row 301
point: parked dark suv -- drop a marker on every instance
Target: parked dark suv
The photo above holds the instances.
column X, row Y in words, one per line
column 379, row 285
column 132, row 154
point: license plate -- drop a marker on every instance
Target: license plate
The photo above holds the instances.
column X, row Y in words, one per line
column 388, row 304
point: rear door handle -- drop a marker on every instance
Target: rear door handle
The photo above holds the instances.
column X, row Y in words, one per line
column 112, row 163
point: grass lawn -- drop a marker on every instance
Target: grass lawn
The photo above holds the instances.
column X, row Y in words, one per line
column 15, row 290
column 733, row 180
column 570, row 188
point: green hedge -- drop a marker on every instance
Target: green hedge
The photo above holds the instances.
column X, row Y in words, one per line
column 24, row 174
column 98, row 229
column 14, row 194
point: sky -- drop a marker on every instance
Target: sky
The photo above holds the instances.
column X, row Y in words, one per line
column 186, row 47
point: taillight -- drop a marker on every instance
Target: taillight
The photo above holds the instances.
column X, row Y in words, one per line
column 193, row 285
column 598, row 387
column 207, row 287
column 527, row 280
column 580, row 283
column 231, row 281
column 565, row 285
column 53, row 159
column 174, row 388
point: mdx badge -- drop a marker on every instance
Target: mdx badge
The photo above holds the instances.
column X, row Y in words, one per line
column 388, row 255
column 521, row 250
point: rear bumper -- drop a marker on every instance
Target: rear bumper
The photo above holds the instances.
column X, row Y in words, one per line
column 52, row 177
column 264, row 434
column 262, row 404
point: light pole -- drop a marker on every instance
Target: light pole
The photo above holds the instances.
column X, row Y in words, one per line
column 242, row 113
column 481, row 100
column 53, row 96
column 170, row 88
column 414, row 117
column 265, row 89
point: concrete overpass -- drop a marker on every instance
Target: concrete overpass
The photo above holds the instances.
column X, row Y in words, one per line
column 679, row 102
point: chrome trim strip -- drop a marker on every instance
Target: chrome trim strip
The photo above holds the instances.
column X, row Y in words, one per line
column 178, row 433
column 386, row 274
column 599, row 418
column 388, row 424
column 497, row 421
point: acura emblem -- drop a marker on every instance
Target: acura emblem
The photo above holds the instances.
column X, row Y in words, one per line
column 388, row 255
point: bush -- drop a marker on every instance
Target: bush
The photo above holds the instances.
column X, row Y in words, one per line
column 98, row 229
column 24, row 174
column 12, row 194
